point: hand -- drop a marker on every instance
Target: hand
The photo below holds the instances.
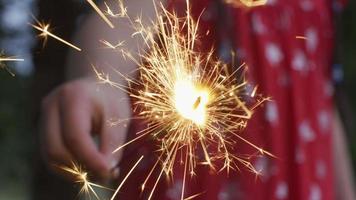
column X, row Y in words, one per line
column 72, row 114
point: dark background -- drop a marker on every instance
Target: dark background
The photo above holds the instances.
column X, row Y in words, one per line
column 21, row 171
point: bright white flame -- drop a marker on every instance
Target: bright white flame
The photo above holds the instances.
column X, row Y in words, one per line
column 191, row 101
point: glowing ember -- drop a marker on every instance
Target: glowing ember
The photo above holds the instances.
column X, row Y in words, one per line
column 191, row 102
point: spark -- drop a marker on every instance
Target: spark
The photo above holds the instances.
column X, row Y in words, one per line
column 4, row 59
column 10, row 59
column 126, row 177
column 81, row 177
column 253, row 93
column 122, row 10
column 247, row 3
column 44, row 29
column 301, row 37
column 110, row 12
column 100, row 13
column 111, row 45
column 189, row 100
column 194, row 196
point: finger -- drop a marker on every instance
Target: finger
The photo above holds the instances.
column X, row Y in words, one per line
column 76, row 118
column 112, row 137
column 114, row 134
column 52, row 146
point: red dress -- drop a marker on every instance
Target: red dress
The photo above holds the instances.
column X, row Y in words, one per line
column 295, row 126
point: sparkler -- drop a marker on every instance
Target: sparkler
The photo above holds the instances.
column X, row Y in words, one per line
column 190, row 101
column 45, row 33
